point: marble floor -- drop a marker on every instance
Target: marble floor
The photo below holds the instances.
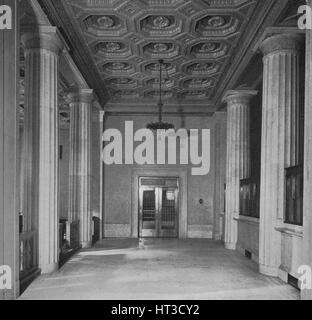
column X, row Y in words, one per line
column 129, row 269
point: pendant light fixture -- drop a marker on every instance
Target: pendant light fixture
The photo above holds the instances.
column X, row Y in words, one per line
column 160, row 125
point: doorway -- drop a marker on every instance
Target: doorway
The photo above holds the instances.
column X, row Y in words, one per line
column 159, row 208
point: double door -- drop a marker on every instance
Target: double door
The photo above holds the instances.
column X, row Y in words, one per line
column 159, row 210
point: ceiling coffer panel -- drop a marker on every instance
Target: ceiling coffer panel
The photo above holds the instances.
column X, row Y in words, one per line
column 196, row 39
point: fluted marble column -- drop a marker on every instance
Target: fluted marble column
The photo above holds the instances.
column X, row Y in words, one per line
column 280, row 147
column 80, row 167
column 42, row 48
column 307, row 203
column 238, row 157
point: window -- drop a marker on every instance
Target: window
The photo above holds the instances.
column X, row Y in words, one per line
column 60, row 152
column 250, row 198
column 294, row 195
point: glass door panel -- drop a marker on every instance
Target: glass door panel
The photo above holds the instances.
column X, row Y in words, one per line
column 159, row 211
column 168, row 213
column 148, row 213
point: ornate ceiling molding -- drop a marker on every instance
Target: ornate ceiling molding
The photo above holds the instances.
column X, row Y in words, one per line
column 58, row 14
column 263, row 17
column 117, row 43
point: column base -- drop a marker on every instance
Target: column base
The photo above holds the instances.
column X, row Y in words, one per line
column 283, row 275
column 49, row 268
column 218, row 237
column 86, row 245
column 268, row 270
column 230, row 246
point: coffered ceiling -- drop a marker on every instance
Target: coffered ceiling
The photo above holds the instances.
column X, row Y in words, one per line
column 123, row 40
column 196, row 39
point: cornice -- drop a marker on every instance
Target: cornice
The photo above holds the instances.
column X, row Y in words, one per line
column 57, row 12
column 170, row 114
column 265, row 15
column 75, row 72
column 173, row 109
column 77, row 95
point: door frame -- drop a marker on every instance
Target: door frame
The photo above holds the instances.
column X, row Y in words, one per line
column 158, row 206
column 157, row 172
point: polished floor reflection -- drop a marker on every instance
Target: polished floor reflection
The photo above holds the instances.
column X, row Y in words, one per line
column 159, row 269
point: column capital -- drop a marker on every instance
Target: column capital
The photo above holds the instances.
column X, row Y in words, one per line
column 42, row 37
column 78, row 95
column 102, row 114
column 241, row 96
column 279, row 40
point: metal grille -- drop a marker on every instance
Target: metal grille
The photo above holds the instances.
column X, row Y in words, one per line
column 168, row 210
column 149, row 209
column 153, row 182
column 172, row 183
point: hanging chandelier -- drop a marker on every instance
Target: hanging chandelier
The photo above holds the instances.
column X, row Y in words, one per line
column 160, row 125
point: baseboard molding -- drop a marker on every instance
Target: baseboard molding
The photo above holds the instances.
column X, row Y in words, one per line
column 117, row 231
column 27, row 281
column 65, row 257
column 200, row 232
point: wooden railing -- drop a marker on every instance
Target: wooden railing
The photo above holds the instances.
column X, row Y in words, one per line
column 294, row 195
column 96, row 223
column 250, row 197
column 69, row 235
column 62, row 235
column 75, row 235
column 28, row 254
column 69, row 238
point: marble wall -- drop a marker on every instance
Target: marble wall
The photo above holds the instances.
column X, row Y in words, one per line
column 118, row 184
column 248, row 237
column 64, row 172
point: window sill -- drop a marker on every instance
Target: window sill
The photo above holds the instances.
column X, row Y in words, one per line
column 296, row 231
column 249, row 220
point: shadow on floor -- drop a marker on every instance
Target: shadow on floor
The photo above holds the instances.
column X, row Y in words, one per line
column 159, row 269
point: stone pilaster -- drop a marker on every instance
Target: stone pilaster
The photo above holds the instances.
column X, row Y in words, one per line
column 220, row 174
column 280, row 148
column 42, row 48
column 96, row 170
column 238, row 157
column 80, row 167
column 9, row 236
column 307, row 203
column 102, row 125
column 21, row 166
